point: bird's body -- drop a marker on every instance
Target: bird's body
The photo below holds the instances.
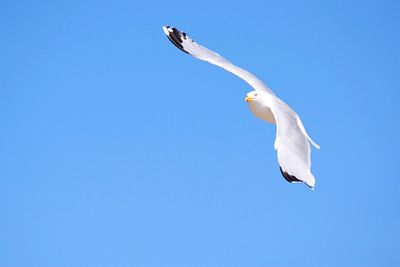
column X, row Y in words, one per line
column 261, row 109
column 292, row 142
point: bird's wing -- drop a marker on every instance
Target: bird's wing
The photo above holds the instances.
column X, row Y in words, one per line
column 187, row 45
column 292, row 144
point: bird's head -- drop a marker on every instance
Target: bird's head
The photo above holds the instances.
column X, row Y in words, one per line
column 252, row 97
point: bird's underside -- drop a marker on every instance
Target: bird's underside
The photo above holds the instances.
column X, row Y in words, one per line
column 292, row 142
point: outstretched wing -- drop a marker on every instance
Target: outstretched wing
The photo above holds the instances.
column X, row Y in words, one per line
column 187, row 45
column 292, row 144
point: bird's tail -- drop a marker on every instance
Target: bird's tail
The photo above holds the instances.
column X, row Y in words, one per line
column 304, row 131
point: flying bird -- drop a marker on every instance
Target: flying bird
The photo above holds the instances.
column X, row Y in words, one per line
column 292, row 142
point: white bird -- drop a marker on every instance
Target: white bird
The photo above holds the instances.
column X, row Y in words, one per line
column 292, row 142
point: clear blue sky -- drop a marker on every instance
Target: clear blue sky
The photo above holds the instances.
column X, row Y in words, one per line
column 117, row 149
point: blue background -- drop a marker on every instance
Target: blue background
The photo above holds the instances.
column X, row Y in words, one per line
column 117, row 149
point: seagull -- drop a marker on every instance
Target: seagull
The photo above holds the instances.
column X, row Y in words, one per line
column 292, row 142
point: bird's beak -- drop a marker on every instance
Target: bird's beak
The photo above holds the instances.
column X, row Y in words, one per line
column 248, row 99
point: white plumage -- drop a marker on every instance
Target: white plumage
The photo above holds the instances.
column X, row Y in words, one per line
column 292, row 142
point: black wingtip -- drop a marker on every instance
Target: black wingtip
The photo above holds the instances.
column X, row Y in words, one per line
column 292, row 178
column 289, row 178
column 175, row 36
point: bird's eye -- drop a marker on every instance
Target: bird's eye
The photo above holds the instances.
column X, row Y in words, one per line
column 255, row 94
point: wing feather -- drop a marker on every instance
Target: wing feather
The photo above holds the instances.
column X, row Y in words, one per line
column 182, row 41
column 292, row 144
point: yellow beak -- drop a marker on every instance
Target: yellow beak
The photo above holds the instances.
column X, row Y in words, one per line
column 248, row 99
